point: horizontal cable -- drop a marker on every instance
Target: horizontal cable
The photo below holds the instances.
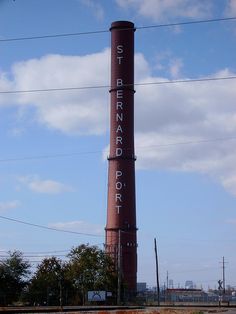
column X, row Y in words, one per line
column 43, row 253
column 54, row 89
column 62, row 155
column 49, row 228
column 124, row 85
column 188, row 23
column 187, row 81
column 55, row 229
column 38, row 256
column 96, row 32
column 53, row 36
column 220, row 139
column 35, row 252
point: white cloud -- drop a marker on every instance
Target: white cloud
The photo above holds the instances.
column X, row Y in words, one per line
column 159, row 10
column 95, row 7
column 35, row 184
column 5, row 85
column 79, row 226
column 16, row 132
column 230, row 8
column 71, row 112
column 164, row 114
column 231, row 221
column 229, row 182
column 185, row 114
column 175, row 67
column 5, row 206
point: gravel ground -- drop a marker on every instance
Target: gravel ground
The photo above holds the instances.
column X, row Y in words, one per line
column 197, row 311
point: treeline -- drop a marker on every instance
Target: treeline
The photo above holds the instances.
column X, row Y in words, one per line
column 56, row 282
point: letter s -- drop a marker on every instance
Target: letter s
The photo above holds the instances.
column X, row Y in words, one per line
column 120, row 49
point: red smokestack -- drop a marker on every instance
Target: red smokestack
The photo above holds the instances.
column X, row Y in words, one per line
column 121, row 211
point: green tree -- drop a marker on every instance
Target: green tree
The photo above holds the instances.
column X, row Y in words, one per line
column 90, row 268
column 14, row 271
column 48, row 286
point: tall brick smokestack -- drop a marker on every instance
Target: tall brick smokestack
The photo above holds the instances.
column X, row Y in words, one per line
column 121, row 238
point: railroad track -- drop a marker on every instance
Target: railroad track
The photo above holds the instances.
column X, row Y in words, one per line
column 71, row 309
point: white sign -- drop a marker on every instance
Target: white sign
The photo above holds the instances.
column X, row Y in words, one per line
column 95, row 296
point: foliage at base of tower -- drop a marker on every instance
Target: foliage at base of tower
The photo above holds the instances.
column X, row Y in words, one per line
column 48, row 286
column 14, row 271
column 61, row 283
column 90, row 268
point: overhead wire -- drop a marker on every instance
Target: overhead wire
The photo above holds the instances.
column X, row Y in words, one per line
column 146, row 147
column 96, row 32
column 36, row 252
column 54, row 229
column 187, row 23
column 43, row 256
column 58, row 230
column 49, row 228
column 41, row 253
column 49, row 156
column 164, row 82
column 53, row 36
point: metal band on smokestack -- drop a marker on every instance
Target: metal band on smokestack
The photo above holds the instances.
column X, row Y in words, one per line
column 121, row 239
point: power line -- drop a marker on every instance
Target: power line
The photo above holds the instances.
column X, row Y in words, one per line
column 55, row 229
column 186, row 81
column 124, row 85
column 50, row 156
column 49, row 228
column 35, row 252
column 38, row 256
column 191, row 142
column 62, row 155
column 41, row 253
column 54, row 89
column 54, row 36
column 96, row 32
column 188, row 23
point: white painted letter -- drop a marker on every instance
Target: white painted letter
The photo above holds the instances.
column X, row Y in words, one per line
column 118, row 140
column 119, row 59
column 119, row 82
column 119, row 105
column 120, row 49
column 119, row 152
column 118, row 185
column 118, row 197
column 119, row 129
column 118, row 208
column 119, row 93
column 118, row 174
column 119, row 117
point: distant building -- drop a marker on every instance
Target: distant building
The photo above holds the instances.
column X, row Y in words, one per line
column 171, row 284
column 189, row 284
column 185, row 295
column 141, row 286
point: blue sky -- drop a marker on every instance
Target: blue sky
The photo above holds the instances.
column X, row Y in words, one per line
column 53, row 170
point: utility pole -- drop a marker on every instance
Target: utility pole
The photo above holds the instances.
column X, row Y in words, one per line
column 60, row 286
column 167, row 280
column 167, row 285
column 222, row 282
column 157, row 273
column 223, row 268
